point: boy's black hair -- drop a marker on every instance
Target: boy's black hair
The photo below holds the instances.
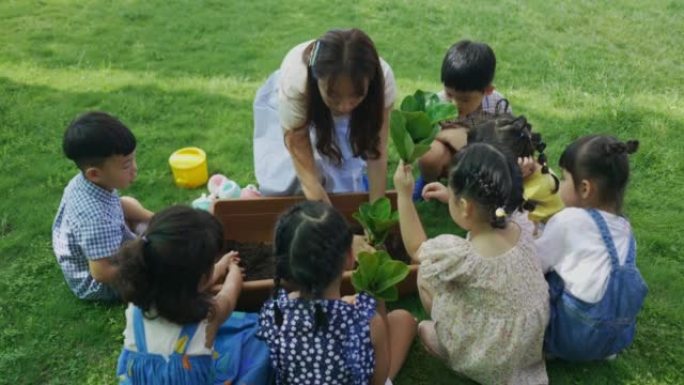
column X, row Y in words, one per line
column 468, row 66
column 604, row 160
column 311, row 242
column 95, row 136
column 164, row 268
column 489, row 176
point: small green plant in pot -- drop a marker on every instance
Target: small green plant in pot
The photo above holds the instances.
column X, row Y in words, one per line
column 378, row 275
column 415, row 124
column 377, row 219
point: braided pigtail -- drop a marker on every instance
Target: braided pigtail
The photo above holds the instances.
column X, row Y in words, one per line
column 489, row 177
column 312, row 241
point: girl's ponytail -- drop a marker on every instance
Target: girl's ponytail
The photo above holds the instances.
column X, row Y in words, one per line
column 135, row 281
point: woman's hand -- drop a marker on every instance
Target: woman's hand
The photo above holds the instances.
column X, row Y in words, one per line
column 403, row 179
column 436, row 190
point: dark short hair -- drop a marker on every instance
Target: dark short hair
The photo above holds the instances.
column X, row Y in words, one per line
column 346, row 52
column 468, row 66
column 95, row 136
column 490, row 177
column 163, row 269
column 604, row 160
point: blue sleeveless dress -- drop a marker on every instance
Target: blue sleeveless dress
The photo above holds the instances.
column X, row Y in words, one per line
column 239, row 357
column 581, row 331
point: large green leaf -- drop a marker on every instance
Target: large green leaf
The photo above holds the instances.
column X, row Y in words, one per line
column 378, row 275
column 390, row 294
column 363, row 216
column 399, row 135
column 366, row 271
column 441, row 111
column 411, row 104
column 359, row 280
column 420, row 97
column 381, row 209
column 418, row 151
column 418, row 125
column 391, row 272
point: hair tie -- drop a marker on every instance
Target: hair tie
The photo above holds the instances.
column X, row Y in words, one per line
column 314, row 53
column 500, row 212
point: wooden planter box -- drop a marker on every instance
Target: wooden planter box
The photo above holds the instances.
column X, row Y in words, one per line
column 253, row 221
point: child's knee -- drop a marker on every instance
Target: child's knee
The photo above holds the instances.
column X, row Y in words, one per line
column 403, row 319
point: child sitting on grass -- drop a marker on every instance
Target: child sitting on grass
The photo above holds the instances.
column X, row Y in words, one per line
column 315, row 336
column 540, row 184
column 467, row 74
column 486, row 293
column 589, row 252
column 92, row 221
column 176, row 331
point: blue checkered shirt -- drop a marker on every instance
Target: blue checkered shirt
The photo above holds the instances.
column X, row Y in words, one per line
column 89, row 226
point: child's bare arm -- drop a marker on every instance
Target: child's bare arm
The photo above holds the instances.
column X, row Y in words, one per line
column 457, row 138
column 103, row 270
column 227, row 297
column 134, row 210
column 409, row 222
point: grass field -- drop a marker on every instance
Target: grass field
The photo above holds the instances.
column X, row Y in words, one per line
column 185, row 73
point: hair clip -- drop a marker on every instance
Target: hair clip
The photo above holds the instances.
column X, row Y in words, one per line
column 500, row 212
column 314, row 53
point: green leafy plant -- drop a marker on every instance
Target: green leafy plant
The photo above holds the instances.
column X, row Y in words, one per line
column 377, row 219
column 378, row 275
column 415, row 125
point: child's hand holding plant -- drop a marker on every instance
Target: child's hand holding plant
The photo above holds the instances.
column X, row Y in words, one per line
column 403, row 179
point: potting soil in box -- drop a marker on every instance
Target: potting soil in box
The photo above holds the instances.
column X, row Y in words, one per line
column 256, row 258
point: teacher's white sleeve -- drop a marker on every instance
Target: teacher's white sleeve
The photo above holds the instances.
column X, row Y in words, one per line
column 390, row 83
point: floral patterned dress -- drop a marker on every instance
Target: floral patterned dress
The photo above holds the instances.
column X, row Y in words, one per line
column 339, row 351
column 490, row 313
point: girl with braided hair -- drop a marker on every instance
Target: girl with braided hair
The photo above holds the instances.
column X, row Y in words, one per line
column 485, row 293
column 589, row 252
column 540, row 184
column 314, row 335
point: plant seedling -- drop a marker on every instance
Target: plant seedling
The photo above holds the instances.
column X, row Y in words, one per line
column 416, row 124
column 378, row 275
column 377, row 219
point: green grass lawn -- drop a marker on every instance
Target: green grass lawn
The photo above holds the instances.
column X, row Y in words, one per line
column 185, row 73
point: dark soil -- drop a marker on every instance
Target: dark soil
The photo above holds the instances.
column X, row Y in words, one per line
column 259, row 263
column 256, row 258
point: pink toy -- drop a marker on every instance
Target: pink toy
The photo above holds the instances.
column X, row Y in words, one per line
column 214, row 184
column 250, row 191
column 221, row 187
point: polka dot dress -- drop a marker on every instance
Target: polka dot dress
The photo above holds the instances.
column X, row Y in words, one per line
column 336, row 352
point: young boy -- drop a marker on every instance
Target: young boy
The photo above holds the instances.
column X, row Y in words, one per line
column 91, row 223
column 467, row 74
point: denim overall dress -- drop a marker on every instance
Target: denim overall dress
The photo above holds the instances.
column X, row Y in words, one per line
column 581, row 331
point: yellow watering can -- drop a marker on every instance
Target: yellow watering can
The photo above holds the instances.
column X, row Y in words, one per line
column 189, row 167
